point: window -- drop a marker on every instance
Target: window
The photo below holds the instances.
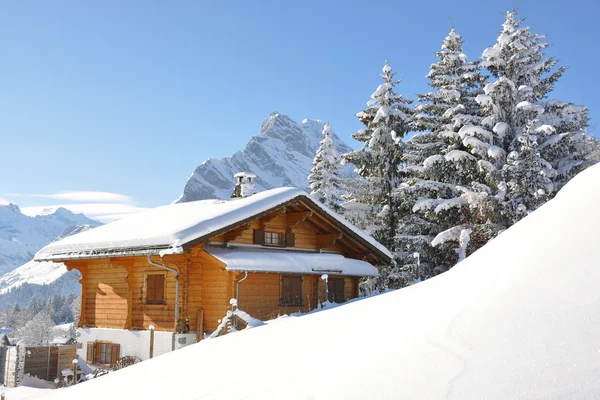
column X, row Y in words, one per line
column 335, row 290
column 155, row 289
column 273, row 239
column 103, row 353
column 106, row 353
column 291, row 290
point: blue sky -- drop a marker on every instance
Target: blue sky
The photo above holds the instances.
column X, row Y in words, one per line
column 127, row 98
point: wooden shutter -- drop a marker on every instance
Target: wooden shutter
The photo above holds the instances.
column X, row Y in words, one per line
column 290, row 239
column 335, row 289
column 259, row 236
column 297, row 290
column 115, row 352
column 90, row 353
column 159, row 288
column 291, row 290
column 150, row 288
column 155, row 289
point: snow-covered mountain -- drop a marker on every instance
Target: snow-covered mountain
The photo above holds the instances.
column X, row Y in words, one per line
column 517, row 319
column 44, row 272
column 21, row 236
column 281, row 155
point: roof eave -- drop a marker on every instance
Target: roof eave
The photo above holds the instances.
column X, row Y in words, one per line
column 205, row 238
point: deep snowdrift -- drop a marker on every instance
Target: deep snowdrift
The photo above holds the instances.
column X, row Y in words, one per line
column 518, row 319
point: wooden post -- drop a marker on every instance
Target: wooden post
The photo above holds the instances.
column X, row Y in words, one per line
column 151, row 341
column 199, row 325
column 48, row 365
column 129, row 280
column 74, row 371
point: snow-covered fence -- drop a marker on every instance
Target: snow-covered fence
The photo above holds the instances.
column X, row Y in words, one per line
column 47, row 362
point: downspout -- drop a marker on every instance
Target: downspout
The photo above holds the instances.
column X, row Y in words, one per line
column 237, row 288
column 237, row 294
column 176, row 271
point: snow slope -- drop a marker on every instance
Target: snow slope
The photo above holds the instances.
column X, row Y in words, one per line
column 281, row 155
column 21, row 236
column 517, row 319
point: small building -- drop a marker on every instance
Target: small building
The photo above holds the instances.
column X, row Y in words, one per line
column 176, row 267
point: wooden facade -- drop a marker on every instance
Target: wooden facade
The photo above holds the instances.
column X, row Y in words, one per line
column 113, row 290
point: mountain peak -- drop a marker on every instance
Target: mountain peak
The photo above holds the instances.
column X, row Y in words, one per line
column 277, row 122
column 281, row 155
column 11, row 208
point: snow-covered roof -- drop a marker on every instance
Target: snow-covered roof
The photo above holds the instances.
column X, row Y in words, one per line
column 293, row 262
column 518, row 319
column 186, row 224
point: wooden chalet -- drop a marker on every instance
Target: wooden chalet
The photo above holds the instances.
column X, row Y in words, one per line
column 175, row 268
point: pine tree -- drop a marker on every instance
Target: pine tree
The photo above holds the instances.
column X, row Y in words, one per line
column 324, row 179
column 451, row 154
column 527, row 174
column 525, row 77
column 520, row 130
column 371, row 201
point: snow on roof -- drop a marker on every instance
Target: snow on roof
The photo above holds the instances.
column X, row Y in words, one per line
column 517, row 319
column 176, row 225
column 281, row 261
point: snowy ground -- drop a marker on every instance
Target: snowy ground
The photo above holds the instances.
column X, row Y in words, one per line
column 32, row 388
column 517, row 320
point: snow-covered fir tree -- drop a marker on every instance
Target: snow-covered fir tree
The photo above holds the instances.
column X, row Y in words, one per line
column 528, row 176
column 527, row 76
column 371, row 203
column 324, row 178
column 449, row 155
column 456, row 83
column 520, row 127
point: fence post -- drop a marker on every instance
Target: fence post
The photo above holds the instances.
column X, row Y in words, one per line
column 151, row 341
column 74, row 371
column 58, row 374
column 48, row 365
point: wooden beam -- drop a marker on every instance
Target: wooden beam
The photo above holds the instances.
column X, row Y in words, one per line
column 235, row 233
column 327, row 239
column 296, row 218
column 129, row 320
column 79, row 266
column 358, row 256
column 127, row 264
column 264, row 221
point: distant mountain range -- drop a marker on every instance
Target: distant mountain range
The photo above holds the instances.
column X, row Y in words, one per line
column 21, row 236
column 281, row 155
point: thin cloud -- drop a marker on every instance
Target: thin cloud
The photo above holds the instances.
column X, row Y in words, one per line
column 104, row 212
column 4, row 201
column 81, row 196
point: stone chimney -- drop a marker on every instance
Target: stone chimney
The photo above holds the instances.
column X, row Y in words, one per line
column 244, row 186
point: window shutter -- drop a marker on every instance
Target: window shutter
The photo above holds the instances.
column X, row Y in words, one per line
column 290, row 239
column 150, row 288
column 159, row 288
column 336, row 290
column 259, row 236
column 115, row 351
column 90, row 353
